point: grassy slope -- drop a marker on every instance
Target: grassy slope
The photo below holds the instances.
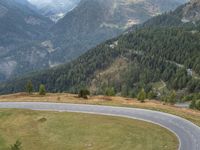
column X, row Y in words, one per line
column 192, row 115
column 72, row 131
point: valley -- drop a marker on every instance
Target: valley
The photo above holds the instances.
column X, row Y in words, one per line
column 55, row 10
column 136, row 60
column 43, row 43
column 99, row 74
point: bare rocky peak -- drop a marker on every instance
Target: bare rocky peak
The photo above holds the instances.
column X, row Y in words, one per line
column 191, row 12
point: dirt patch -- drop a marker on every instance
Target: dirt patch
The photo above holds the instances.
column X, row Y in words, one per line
column 42, row 120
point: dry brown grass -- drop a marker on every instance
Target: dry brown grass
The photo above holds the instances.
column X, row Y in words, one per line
column 189, row 114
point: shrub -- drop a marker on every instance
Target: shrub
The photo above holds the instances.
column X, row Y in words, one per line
column 193, row 104
column 198, row 105
column 141, row 95
column 16, row 146
column 84, row 93
column 42, row 90
column 172, row 98
column 151, row 95
column 29, row 87
column 110, row 92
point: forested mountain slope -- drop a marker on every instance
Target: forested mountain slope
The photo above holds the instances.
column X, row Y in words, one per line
column 135, row 60
column 28, row 42
column 164, row 50
column 95, row 21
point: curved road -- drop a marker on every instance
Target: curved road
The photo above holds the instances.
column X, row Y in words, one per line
column 187, row 133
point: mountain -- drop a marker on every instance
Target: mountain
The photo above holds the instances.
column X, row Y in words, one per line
column 55, row 10
column 95, row 21
column 18, row 25
column 186, row 15
column 191, row 12
column 18, row 19
column 33, row 42
column 160, row 56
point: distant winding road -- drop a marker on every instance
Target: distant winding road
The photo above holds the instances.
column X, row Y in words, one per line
column 187, row 133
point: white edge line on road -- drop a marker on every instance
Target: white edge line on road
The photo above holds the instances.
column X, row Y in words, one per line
column 130, row 108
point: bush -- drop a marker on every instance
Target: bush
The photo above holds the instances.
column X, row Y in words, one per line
column 16, row 146
column 193, row 104
column 198, row 105
column 151, row 95
column 141, row 96
column 110, row 92
column 84, row 93
column 29, row 87
column 194, row 96
column 172, row 98
column 42, row 90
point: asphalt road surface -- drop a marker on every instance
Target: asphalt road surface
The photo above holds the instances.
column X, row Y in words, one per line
column 187, row 133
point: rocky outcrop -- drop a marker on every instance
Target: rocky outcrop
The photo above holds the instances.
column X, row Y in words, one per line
column 191, row 12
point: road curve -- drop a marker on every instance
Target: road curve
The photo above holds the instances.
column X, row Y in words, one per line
column 187, row 132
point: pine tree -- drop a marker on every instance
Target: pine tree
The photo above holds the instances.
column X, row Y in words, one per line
column 42, row 90
column 172, row 98
column 141, row 96
column 29, row 87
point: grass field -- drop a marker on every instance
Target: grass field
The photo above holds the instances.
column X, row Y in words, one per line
column 192, row 115
column 39, row 130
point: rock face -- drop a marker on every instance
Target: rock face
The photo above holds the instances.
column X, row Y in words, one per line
column 191, row 11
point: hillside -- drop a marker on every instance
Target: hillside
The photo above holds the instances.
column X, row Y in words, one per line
column 139, row 59
column 136, row 60
column 55, row 10
column 18, row 20
column 95, row 21
column 19, row 24
column 33, row 42
column 191, row 11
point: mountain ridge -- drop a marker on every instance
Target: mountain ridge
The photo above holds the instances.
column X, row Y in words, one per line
column 90, row 23
column 18, row 25
column 83, row 28
column 135, row 60
column 54, row 10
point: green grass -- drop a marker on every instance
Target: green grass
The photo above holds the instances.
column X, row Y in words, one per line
column 74, row 131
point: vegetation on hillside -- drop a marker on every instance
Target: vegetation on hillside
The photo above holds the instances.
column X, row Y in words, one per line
column 164, row 49
column 152, row 54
